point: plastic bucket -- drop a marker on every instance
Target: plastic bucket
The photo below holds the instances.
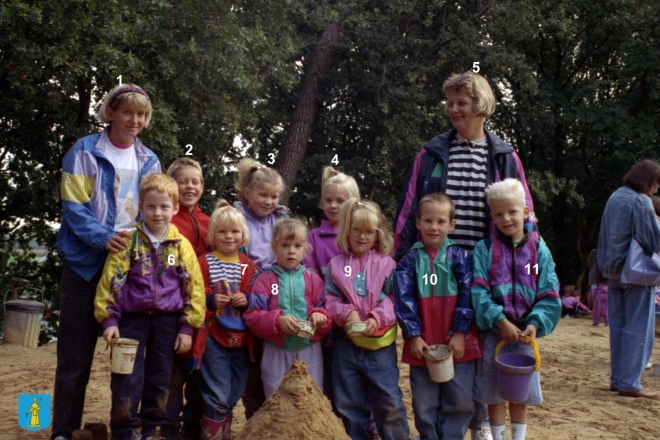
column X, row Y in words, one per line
column 306, row 329
column 23, row 322
column 440, row 362
column 515, row 371
column 123, row 355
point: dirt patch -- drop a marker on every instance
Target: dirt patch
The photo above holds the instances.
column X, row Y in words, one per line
column 297, row 410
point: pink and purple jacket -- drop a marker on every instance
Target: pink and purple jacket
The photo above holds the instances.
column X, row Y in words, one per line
column 373, row 298
column 261, row 234
column 324, row 248
column 280, row 292
column 429, row 175
column 572, row 303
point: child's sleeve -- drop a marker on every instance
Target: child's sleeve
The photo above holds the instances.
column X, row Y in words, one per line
column 461, row 266
column 108, row 301
column 317, row 288
column 403, row 225
column 546, row 310
column 405, row 288
column 384, row 312
column 487, row 313
column 192, row 289
column 335, row 301
column 262, row 321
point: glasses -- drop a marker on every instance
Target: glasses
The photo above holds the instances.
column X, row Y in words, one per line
column 367, row 234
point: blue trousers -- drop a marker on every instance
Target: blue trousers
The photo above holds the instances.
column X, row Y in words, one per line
column 632, row 325
column 364, row 378
column 149, row 384
column 224, row 375
column 76, row 341
column 443, row 410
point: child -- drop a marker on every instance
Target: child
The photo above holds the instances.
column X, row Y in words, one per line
column 359, row 288
column 432, row 284
column 193, row 224
column 152, row 292
column 228, row 278
column 571, row 306
column 283, row 296
column 97, row 210
column 599, row 293
column 259, row 190
column 514, row 294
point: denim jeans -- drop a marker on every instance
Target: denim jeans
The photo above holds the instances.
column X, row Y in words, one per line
column 184, row 383
column 76, row 341
column 148, row 385
column 632, row 324
column 364, row 378
column 224, row 374
column 443, row 410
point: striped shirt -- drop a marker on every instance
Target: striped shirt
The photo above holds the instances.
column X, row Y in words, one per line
column 467, row 172
column 223, row 268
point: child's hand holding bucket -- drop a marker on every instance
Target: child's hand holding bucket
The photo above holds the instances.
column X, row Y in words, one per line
column 418, row 347
column 509, row 332
column 457, row 344
column 318, row 319
column 111, row 333
column 372, row 326
column 530, row 331
column 288, row 325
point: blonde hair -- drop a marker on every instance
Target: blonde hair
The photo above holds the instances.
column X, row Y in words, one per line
column 161, row 183
column 439, row 198
column 354, row 213
column 182, row 163
column 341, row 181
column 483, row 100
column 507, row 189
column 225, row 213
column 290, row 228
column 251, row 174
column 133, row 95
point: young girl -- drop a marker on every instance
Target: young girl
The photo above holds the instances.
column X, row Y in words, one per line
column 228, row 278
column 259, row 190
column 101, row 176
column 282, row 297
column 359, row 288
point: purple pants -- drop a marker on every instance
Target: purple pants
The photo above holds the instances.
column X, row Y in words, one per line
column 600, row 307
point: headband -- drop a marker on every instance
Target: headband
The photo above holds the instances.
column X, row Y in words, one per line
column 127, row 89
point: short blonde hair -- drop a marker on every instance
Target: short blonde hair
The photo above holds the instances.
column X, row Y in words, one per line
column 182, row 163
column 341, row 181
column 251, row 174
column 507, row 189
column 290, row 228
column 354, row 213
column 225, row 213
column 161, row 183
column 483, row 99
column 130, row 93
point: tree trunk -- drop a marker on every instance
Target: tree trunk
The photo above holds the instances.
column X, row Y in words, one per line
column 297, row 134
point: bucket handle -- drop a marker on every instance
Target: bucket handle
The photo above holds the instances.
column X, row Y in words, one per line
column 4, row 299
column 535, row 350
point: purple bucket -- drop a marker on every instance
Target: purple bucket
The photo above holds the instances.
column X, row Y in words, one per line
column 515, row 375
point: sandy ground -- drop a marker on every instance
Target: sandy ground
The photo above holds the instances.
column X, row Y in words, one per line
column 574, row 377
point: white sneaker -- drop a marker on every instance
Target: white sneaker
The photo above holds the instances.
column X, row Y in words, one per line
column 649, row 366
column 481, row 433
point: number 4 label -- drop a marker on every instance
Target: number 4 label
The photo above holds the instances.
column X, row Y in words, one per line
column 335, row 160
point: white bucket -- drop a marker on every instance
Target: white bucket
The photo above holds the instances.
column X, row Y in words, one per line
column 123, row 355
column 23, row 322
column 440, row 362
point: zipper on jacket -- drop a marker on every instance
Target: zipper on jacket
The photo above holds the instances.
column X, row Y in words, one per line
column 154, row 275
column 291, row 305
column 196, row 225
column 513, row 285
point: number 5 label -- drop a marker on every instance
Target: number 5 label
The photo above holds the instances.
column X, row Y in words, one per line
column 475, row 67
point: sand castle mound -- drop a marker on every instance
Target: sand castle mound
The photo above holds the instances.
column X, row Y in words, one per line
column 298, row 410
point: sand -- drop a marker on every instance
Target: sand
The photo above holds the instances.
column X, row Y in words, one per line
column 574, row 378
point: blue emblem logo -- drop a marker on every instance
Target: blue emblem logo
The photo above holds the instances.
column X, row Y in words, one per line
column 34, row 411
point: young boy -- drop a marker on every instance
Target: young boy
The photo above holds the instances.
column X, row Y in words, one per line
column 193, row 224
column 153, row 292
column 432, row 284
column 514, row 294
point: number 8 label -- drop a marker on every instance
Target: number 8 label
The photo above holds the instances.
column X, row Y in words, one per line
column 275, row 289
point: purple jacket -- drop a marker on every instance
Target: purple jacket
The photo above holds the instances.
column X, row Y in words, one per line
column 324, row 248
column 261, row 234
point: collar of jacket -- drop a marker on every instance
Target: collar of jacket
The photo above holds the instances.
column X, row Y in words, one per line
column 326, row 229
column 438, row 147
column 508, row 241
column 172, row 234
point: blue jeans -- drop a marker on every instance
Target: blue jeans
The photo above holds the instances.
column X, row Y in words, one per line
column 363, row 379
column 632, row 324
column 76, row 341
column 443, row 410
column 224, row 374
column 149, row 384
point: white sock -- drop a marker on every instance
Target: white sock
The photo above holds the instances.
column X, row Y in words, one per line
column 497, row 431
column 518, row 431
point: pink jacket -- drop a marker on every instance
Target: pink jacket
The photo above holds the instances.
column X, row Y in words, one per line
column 343, row 293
